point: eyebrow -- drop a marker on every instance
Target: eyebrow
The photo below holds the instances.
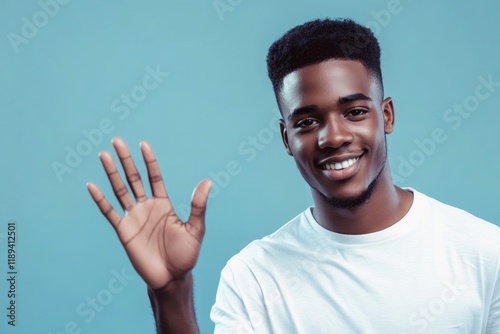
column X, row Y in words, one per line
column 352, row 98
column 302, row 110
column 341, row 101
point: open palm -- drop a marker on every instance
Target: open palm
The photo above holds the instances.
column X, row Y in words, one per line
column 160, row 246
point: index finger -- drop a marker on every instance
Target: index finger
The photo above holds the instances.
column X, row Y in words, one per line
column 154, row 173
column 107, row 210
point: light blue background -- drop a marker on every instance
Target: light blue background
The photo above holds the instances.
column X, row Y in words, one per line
column 217, row 94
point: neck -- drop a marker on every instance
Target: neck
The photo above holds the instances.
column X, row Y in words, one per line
column 386, row 206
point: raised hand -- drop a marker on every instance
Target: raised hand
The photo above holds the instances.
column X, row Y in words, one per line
column 160, row 246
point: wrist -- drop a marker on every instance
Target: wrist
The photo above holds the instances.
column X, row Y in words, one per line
column 173, row 307
column 175, row 287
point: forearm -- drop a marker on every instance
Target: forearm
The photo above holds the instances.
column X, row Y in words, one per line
column 173, row 308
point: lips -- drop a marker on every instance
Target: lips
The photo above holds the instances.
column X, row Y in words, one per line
column 340, row 161
column 340, row 168
column 340, row 165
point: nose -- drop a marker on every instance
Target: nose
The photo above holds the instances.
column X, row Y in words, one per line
column 334, row 133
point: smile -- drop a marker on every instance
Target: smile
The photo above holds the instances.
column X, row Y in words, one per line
column 340, row 165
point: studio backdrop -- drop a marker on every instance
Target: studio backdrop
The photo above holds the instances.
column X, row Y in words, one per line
column 190, row 78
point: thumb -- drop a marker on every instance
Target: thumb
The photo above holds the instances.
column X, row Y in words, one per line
column 199, row 205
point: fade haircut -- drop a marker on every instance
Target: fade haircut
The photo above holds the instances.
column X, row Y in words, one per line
column 320, row 40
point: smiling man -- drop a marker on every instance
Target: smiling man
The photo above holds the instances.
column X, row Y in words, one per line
column 335, row 122
column 369, row 257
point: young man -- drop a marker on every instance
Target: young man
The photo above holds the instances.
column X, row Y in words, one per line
column 369, row 257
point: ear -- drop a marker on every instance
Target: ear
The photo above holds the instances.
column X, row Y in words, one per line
column 284, row 136
column 388, row 112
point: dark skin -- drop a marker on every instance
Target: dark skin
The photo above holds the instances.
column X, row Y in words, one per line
column 333, row 115
column 333, row 112
column 162, row 248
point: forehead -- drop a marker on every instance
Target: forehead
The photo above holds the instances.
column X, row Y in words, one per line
column 325, row 82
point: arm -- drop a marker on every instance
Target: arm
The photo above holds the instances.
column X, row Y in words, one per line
column 238, row 305
column 493, row 325
column 162, row 248
column 173, row 308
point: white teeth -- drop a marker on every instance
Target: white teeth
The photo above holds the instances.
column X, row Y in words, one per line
column 340, row 165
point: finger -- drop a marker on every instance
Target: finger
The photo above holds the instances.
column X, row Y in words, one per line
column 199, row 205
column 133, row 176
column 154, row 173
column 107, row 210
column 117, row 184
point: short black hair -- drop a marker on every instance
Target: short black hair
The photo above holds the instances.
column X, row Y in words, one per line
column 319, row 40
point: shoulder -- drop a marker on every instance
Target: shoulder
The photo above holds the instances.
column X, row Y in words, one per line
column 289, row 240
column 453, row 217
column 461, row 229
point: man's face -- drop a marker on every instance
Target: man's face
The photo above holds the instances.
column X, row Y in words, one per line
column 335, row 123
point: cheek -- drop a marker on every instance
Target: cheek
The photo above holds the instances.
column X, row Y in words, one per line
column 298, row 145
column 372, row 132
column 303, row 151
column 379, row 146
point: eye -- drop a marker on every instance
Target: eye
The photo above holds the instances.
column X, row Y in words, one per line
column 305, row 123
column 357, row 112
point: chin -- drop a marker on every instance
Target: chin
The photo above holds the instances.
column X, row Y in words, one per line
column 349, row 202
column 353, row 200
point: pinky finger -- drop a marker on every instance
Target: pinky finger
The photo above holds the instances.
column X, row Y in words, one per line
column 107, row 210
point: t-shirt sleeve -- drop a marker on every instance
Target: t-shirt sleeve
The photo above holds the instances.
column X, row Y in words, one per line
column 493, row 326
column 230, row 312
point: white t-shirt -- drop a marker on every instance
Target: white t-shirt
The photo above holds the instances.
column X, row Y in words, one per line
column 437, row 270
